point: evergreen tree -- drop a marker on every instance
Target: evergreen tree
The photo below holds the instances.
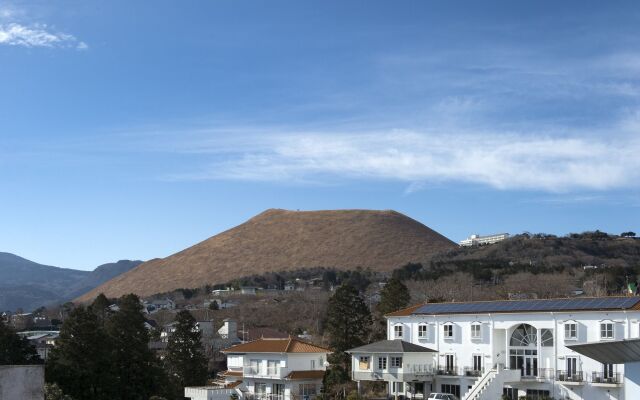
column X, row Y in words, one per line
column 348, row 319
column 393, row 297
column 15, row 350
column 185, row 361
column 132, row 361
column 79, row 363
column 100, row 307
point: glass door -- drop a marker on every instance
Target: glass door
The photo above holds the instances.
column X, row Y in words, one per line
column 277, row 391
column 572, row 368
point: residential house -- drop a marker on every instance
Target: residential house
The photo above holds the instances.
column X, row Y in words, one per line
column 274, row 369
column 511, row 348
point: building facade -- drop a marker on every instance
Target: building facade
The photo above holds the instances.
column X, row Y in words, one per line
column 273, row 369
column 477, row 240
column 483, row 350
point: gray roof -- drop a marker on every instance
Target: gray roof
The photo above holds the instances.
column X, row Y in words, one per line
column 541, row 305
column 616, row 352
column 391, row 346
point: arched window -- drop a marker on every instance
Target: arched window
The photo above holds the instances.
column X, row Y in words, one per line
column 524, row 335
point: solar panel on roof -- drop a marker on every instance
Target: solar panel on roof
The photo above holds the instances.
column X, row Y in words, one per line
column 529, row 305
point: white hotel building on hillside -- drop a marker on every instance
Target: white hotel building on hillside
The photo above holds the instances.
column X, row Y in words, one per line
column 483, row 350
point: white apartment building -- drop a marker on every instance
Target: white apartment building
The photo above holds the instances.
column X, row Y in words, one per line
column 477, row 240
column 483, row 350
column 273, row 369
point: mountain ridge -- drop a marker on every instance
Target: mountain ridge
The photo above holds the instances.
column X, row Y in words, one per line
column 25, row 284
column 282, row 240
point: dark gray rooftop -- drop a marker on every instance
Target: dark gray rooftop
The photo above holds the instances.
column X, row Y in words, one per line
column 391, row 346
column 616, row 352
column 507, row 306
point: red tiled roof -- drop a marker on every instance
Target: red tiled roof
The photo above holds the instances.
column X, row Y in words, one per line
column 290, row 345
column 300, row 375
column 232, row 373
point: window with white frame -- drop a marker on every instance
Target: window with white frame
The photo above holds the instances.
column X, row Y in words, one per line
column 397, row 331
column 448, row 331
column 570, row 331
column 396, row 362
column 422, row 331
column 364, row 362
column 606, row 330
column 476, row 330
column 382, row 363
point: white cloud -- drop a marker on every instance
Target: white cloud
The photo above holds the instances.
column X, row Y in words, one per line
column 499, row 160
column 38, row 35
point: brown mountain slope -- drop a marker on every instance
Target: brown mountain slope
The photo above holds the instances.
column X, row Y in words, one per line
column 280, row 240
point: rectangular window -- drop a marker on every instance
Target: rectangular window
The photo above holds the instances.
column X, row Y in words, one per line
column 607, row 370
column 272, row 367
column 477, row 362
column 382, row 363
column 364, row 362
column 255, row 366
column 535, row 394
column 476, row 331
column 451, row 389
column 397, row 331
column 448, row 331
column 422, row 331
column 307, row 389
column 449, row 364
column 606, row 330
column 396, row 362
column 571, row 331
column 398, row 387
column 260, row 389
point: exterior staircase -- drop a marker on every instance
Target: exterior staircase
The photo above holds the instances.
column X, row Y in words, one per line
column 489, row 385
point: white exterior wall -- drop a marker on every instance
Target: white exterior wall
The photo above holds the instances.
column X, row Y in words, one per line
column 24, row 382
column 493, row 345
column 286, row 362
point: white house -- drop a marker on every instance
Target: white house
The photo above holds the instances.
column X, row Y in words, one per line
column 477, row 240
column 274, row 369
column 483, row 350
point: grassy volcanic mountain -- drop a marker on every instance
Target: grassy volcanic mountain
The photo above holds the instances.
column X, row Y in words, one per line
column 281, row 240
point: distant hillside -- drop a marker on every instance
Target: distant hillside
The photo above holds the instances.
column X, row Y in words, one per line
column 29, row 285
column 535, row 253
column 281, row 240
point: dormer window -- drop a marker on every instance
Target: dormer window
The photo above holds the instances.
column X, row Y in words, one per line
column 570, row 330
column 422, row 331
column 476, row 330
column 448, row 331
column 606, row 330
column 397, row 332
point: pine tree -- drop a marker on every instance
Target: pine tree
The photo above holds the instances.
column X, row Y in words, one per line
column 15, row 350
column 185, row 361
column 100, row 307
column 348, row 319
column 393, row 297
column 79, row 363
column 133, row 362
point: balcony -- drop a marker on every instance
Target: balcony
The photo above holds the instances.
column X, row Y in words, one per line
column 571, row 377
column 473, row 372
column 260, row 372
column 540, row 374
column 599, row 378
column 408, row 373
column 450, row 370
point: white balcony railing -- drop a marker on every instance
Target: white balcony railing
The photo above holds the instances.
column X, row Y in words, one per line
column 269, row 372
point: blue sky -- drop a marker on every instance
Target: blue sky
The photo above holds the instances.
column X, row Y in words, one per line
column 135, row 129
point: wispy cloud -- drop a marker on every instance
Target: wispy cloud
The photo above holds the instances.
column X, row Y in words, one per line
column 505, row 161
column 17, row 30
column 38, row 35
